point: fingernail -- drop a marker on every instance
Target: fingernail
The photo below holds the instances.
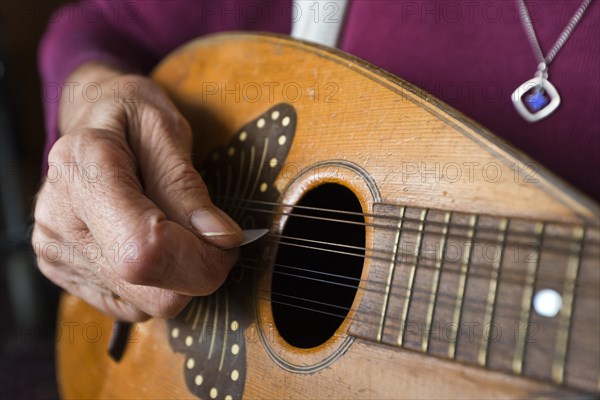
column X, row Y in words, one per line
column 213, row 223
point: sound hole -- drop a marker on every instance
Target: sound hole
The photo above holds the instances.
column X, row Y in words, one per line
column 318, row 265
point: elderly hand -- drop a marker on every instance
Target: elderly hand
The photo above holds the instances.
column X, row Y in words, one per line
column 123, row 220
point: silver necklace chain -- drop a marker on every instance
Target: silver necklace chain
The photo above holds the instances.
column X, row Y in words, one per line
column 537, row 98
column 526, row 20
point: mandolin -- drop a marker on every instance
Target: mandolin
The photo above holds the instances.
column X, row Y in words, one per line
column 410, row 254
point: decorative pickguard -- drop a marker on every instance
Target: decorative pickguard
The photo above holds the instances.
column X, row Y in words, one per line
column 211, row 330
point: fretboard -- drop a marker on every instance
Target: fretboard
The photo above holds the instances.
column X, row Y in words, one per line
column 511, row 295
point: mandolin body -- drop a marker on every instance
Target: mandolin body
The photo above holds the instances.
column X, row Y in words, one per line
column 399, row 151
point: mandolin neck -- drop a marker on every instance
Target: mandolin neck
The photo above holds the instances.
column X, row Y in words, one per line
column 506, row 294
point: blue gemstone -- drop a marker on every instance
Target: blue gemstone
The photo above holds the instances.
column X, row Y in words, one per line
column 536, row 100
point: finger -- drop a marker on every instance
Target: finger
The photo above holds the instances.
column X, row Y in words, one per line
column 84, row 274
column 79, row 280
column 173, row 183
column 137, row 241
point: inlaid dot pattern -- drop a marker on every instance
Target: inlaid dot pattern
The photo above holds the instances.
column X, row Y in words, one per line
column 273, row 162
column 282, row 139
column 198, row 380
column 234, row 325
column 214, row 393
column 260, row 123
column 175, row 333
column 228, row 397
column 547, row 302
column 275, row 115
column 235, row 349
column 243, row 136
column 235, row 375
column 263, row 187
column 190, row 363
column 188, row 341
column 285, row 121
column 231, row 151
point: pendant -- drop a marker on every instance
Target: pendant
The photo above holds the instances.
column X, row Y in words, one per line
column 536, row 99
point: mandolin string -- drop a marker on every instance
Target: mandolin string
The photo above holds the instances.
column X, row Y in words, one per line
column 480, row 240
column 509, row 245
column 368, row 287
column 393, row 218
column 421, row 295
column 397, row 219
column 550, row 278
column 508, row 275
column 541, row 345
column 367, row 323
column 398, row 295
column 379, row 216
column 385, row 256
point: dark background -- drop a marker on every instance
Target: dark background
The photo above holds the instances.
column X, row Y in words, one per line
column 27, row 300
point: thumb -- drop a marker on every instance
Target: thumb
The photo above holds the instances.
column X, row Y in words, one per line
column 172, row 182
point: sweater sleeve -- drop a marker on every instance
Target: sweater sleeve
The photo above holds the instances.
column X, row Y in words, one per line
column 78, row 33
column 135, row 35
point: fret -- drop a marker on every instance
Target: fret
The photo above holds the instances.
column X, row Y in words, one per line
column 381, row 239
column 435, row 284
column 422, row 294
column 492, row 294
column 464, row 269
column 473, row 326
column 506, row 330
column 390, row 276
column 543, row 330
column 582, row 367
column 404, row 281
column 411, row 278
column 567, row 308
column 525, row 318
column 455, row 249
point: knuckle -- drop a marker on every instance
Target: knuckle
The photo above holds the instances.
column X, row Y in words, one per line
column 61, row 150
column 86, row 142
column 151, row 265
column 145, row 269
column 47, row 269
column 36, row 240
column 58, row 275
column 42, row 210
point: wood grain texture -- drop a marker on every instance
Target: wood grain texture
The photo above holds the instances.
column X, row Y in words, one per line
column 356, row 125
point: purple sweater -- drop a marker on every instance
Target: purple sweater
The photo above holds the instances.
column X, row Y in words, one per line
column 470, row 54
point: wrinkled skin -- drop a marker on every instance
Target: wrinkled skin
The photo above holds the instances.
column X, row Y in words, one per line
column 123, row 220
